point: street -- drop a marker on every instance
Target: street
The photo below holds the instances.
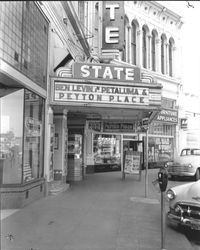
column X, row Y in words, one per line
column 101, row 212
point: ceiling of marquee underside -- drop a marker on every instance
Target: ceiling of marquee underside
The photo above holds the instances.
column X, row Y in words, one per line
column 103, row 112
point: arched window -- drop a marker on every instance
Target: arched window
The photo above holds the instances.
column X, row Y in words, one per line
column 170, row 58
column 133, row 43
column 144, row 47
column 163, row 54
column 153, row 51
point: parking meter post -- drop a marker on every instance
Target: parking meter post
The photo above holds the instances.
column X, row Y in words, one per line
column 146, row 169
column 163, row 181
column 162, row 222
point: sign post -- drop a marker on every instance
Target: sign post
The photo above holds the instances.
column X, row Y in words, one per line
column 145, row 127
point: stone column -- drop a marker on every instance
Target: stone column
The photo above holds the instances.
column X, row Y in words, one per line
column 60, row 154
column 158, row 55
column 149, row 63
column 174, row 61
column 166, row 58
column 139, row 49
column 129, row 44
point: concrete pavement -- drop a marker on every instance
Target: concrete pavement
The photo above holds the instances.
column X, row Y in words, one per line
column 102, row 212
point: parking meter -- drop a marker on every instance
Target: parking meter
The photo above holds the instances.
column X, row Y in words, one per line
column 163, row 179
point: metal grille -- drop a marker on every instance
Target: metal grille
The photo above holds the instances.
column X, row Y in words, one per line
column 178, row 169
column 190, row 211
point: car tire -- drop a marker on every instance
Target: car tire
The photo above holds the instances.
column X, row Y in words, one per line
column 197, row 175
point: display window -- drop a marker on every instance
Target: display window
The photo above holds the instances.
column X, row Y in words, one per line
column 11, row 136
column 21, row 136
column 160, row 150
column 107, row 150
column 33, row 136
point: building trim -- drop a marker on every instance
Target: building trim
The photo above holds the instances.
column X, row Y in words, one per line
column 17, row 77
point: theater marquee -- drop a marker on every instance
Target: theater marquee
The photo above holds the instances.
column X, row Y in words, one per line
column 78, row 93
column 103, row 94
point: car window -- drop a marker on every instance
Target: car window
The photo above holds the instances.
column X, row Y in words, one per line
column 195, row 151
column 185, row 152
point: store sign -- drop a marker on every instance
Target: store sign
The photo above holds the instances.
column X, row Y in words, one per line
column 106, row 72
column 184, row 123
column 30, row 96
column 113, row 25
column 168, row 116
column 94, row 125
column 100, row 94
column 118, row 127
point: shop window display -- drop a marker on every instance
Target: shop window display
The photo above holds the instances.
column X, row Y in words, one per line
column 21, row 152
column 106, row 151
column 11, row 136
column 160, row 151
column 33, row 136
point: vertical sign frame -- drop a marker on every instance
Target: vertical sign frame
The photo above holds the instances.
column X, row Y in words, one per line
column 113, row 25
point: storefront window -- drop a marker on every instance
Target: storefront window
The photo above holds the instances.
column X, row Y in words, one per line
column 106, row 149
column 160, row 150
column 33, row 137
column 11, row 136
column 157, row 128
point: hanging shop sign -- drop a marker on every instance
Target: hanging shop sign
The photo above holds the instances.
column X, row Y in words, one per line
column 167, row 116
column 92, row 94
column 113, row 25
column 94, row 125
column 91, row 71
column 184, row 123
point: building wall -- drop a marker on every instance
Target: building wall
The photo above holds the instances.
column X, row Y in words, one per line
column 189, row 135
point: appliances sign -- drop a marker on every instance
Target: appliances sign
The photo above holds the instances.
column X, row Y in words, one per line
column 168, row 116
column 102, row 94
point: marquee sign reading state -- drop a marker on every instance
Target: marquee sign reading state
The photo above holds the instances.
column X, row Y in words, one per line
column 99, row 93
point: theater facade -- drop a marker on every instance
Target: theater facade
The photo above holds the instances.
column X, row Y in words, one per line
column 98, row 112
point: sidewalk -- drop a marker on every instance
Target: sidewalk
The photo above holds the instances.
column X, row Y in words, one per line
column 100, row 213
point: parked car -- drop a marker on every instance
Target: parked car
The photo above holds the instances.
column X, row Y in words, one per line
column 187, row 164
column 184, row 205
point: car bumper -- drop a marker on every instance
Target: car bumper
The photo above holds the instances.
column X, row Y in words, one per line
column 189, row 174
column 188, row 222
